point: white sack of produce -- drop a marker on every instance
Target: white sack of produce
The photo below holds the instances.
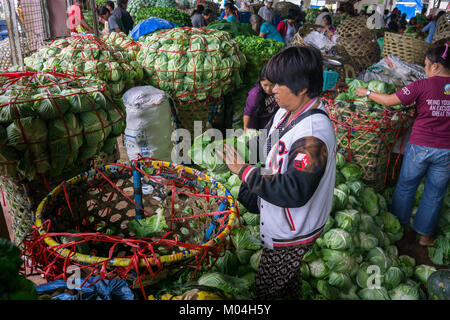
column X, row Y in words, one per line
column 392, row 69
column 320, row 41
column 149, row 123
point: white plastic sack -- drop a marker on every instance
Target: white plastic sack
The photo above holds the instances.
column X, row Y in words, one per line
column 149, row 123
column 319, row 40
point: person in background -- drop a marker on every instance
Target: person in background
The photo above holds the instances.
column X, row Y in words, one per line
column 301, row 6
column 427, row 153
column 230, row 14
column 421, row 17
column 403, row 22
column 208, row 16
column 114, row 24
column 326, row 23
column 75, row 21
column 319, row 19
column 265, row 29
column 431, row 27
column 110, row 6
column 293, row 192
column 197, row 19
column 287, row 28
column 122, row 14
column 260, row 105
column 386, row 16
column 393, row 25
column 266, row 12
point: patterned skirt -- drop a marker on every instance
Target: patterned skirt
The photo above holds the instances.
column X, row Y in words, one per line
column 279, row 275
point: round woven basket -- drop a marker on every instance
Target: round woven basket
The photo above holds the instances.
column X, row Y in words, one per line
column 442, row 32
column 307, row 28
column 282, row 8
column 353, row 27
column 359, row 51
column 405, row 47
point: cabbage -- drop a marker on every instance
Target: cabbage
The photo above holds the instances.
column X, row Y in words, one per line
column 326, row 290
column 340, row 280
column 228, row 263
column 390, row 222
column 254, row 259
column 392, row 250
column 407, row 265
column 238, row 287
column 328, row 225
column 369, row 201
column 393, row 277
column 245, row 244
column 367, row 241
column 48, row 107
column 367, row 224
column 422, row 272
column 340, row 199
column 318, row 268
column 304, row 269
column 350, row 294
column 251, row 219
column 307, row 290
column 347, row 220
column 380, row 86
column 234, row 181
column 351, row 172
column 355, row 187
column 378, row 257
column 339, row 261
column 338, row 239
column 404, row 292
column 374, row 294
column 340, row 160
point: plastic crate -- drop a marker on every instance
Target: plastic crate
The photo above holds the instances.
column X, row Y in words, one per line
column 330, row 79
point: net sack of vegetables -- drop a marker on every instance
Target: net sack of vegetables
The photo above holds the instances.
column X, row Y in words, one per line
column 88, row 56
column 192, row 64
column 121, row 40
column 51, row 123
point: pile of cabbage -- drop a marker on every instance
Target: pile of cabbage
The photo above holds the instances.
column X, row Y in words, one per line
column 355, row 258
column 52, row 123
column 374, row 85
column 134, row 6
column 89, row 56
column 192, row 64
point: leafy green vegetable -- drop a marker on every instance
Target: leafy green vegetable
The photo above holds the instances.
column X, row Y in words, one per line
column 150, row 225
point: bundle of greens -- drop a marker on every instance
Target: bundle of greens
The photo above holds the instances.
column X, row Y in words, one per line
column 171, row 14
column 312, row 14
column 374, row 85
column 135, row 6
column 192, row 64
column 88, row 56
column 235, row 29
column 257, row 51
column 338, row 18
column 54, row 123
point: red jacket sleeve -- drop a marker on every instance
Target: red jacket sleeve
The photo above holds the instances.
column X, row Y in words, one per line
column 281, row 28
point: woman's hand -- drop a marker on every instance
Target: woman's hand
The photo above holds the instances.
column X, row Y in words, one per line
column 361, row 92
column 232, row 158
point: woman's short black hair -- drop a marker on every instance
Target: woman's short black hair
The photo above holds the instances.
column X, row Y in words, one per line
column 103, row 10
column 297, row 68
column 435, row 53
column 328, row 18
column 110, row 4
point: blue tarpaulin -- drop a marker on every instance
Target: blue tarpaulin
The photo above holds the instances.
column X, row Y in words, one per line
column 150, row 25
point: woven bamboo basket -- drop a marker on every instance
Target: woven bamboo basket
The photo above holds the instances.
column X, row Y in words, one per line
column 282, row 8
column 96, row 207
column 307, row 28
column 442, row 32
column 353, row 27
column 405, row 47
column 23, row 196
column 366, row 136
column 5, row 53
column 359, row 52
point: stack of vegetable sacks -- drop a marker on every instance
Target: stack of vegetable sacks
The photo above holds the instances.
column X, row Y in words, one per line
column 50, row 123
column 171, row 14
column 123, row 41
column 192, row 64
column 89, row 56
column 355, row 257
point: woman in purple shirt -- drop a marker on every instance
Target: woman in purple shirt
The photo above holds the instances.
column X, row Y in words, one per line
column 428, row 151
column 260, row 105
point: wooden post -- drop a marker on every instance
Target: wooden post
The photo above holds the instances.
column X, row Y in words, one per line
column 13, row 33
column 94, row 18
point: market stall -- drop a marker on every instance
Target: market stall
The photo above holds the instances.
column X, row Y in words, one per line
column 90, row 184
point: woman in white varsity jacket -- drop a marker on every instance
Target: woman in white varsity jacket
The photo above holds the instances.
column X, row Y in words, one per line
column 294, row 191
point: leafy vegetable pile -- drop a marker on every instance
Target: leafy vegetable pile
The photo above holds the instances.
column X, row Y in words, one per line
column 235, row 29
column 88, row 55
column 50, row 123
column 311, row 15
column 170, row 14
column 13, row 286
column 338, row 18
column 258, row 51
column 373, row 85
column 193, row 64
column 134, row 6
